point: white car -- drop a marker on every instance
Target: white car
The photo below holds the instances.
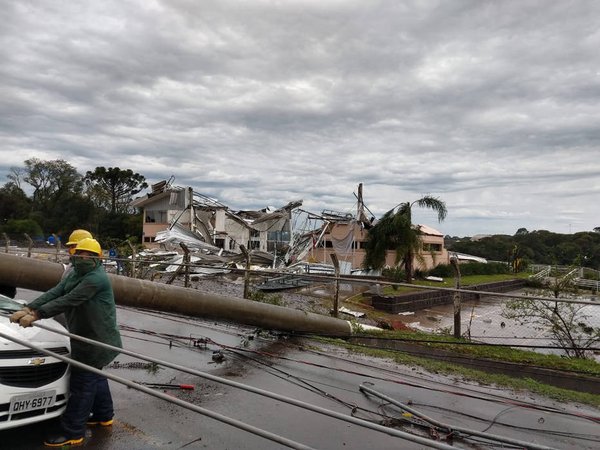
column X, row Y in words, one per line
column 33, row 385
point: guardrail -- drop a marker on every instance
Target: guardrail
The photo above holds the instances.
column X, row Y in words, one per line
column 543, row 273
column 589, row 284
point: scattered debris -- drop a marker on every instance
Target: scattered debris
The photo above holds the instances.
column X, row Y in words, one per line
column 283, row 282
column 218, row 356
column 356, row 314
column 188, row 387
column 133, row 365
column 438, row 279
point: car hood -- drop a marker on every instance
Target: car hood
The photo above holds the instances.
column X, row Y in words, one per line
column 34, row 335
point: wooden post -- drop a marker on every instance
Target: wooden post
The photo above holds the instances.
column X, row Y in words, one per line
column 29, row 246
column 246, row 272
column 7, row 241
column 457, row 296
column 133, row 256
column 191, row 206
column 56, row 247
column 336, row 296
column 186, row 262
column 175, row 274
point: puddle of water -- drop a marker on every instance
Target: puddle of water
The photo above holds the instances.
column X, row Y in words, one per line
column 484, row 321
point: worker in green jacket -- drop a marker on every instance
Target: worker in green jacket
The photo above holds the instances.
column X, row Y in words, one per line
column 86, row 298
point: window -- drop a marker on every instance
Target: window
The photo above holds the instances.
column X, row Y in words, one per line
column 427, row 247
column 278, row 236
column 254, row 242
column 156, row 216
column 148, row 238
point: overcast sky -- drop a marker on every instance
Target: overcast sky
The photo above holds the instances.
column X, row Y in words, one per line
column 494, row 107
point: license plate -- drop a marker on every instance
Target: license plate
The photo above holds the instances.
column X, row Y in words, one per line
column 30, row 402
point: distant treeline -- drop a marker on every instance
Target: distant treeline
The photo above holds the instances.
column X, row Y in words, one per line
column 539, row 247
column 61, row 199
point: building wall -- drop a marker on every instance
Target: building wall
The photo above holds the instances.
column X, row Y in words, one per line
column 356, row 255
column 227, row 232
column 156, row 219
column 235, row 231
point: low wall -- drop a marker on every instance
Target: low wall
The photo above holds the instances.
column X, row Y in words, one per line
column 562, row 379
column 420, row 300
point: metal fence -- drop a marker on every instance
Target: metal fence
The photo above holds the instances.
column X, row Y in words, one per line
column 483, row 320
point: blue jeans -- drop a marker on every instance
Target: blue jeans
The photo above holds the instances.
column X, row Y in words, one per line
column 88, row 393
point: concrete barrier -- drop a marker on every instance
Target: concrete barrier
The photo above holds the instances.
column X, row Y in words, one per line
column 420, row 300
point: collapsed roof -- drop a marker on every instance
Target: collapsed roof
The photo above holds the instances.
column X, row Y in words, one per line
column 212, row 228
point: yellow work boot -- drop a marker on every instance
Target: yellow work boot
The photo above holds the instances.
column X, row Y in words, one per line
column 103, row 423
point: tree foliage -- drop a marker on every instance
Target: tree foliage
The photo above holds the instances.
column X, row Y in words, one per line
column 58, row 203
column 395, row 231
column 540, row 247
column 21, row 226
column 113, row 188
column 470, row 268
column 14, row 203
column 51, row 180
column 566, row 323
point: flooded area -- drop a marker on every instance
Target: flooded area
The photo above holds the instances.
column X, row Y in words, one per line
column 483, row 321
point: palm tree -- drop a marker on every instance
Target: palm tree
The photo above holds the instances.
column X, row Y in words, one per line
column 395, row 231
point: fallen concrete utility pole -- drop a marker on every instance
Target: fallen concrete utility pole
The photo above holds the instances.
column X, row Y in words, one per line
column 39, row 275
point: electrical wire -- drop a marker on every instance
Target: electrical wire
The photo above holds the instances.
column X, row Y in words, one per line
column 580, row 436
column 453, row 428
column 558, row 372
column 301, row 404
column 221, row 418
column 458, row 343
column 286, row 375
column 447, row 391
column 282, row 374
column 497, row 399
column 358, row 279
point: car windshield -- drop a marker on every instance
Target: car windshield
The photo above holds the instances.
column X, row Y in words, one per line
column 8, row 304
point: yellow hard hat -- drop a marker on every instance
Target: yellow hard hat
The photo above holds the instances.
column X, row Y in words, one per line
column 78, row 235
column 89, row 245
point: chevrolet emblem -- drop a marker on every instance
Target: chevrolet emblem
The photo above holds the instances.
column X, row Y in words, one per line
column 36, row 361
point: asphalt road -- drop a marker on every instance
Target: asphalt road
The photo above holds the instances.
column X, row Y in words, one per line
column 308, row 371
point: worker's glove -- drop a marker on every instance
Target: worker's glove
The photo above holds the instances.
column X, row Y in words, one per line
column 16, row 316
column 28, row 319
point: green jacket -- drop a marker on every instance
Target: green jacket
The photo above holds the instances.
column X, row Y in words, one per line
column 89, row 306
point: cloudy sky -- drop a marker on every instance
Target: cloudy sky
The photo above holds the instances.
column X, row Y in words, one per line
column 494, row 107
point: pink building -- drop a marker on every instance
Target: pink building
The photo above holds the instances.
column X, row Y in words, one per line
column 346, row 239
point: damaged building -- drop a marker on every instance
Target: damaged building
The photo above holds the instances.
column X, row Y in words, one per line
column 345, row 233
column 173, row 215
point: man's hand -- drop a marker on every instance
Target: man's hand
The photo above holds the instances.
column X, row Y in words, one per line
column 28, row 319
column 16, row 316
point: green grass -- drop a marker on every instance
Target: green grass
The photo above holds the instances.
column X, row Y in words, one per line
column 501, row 353
column 458, row 346
column 484, row 378
column 465, row 281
